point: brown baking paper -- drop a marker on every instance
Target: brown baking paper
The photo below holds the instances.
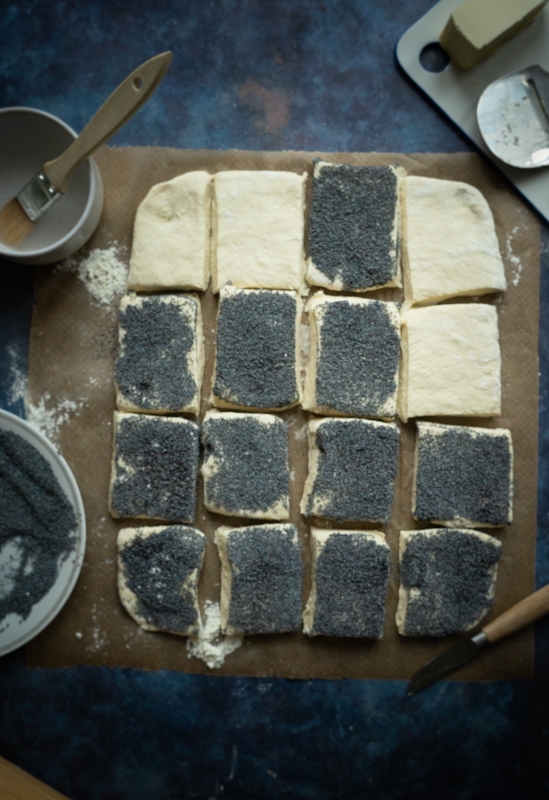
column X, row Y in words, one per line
column 72, row 354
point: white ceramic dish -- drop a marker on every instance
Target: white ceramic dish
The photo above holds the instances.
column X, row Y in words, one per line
column 29, row 138
column 15, row 632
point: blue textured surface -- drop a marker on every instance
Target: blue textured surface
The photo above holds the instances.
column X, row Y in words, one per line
column 257, row 75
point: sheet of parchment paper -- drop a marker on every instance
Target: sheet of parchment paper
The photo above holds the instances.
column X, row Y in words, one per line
column 73, row 347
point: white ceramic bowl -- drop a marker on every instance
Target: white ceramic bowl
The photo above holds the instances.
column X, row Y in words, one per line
column 29, row 138
column 15, row 632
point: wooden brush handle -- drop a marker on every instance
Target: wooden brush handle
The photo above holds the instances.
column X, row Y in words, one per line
column 115, row 112
column 16, row 784
column 514, row 619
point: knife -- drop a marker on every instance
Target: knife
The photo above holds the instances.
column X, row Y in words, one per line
column 530, row 609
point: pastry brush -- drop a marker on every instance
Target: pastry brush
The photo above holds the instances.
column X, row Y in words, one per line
column 18, row 216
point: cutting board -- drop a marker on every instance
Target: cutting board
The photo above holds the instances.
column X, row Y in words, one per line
column 457, row 91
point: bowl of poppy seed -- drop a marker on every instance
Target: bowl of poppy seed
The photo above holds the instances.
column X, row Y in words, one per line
column 42, row 532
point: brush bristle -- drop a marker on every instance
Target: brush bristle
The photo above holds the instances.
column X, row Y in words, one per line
column 14, row 223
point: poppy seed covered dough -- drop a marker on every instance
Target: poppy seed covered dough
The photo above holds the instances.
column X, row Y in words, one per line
column 171, row 235
column 350, row 577
column 463, row 477
column 352, row 469
column 355, row 354
column 447, row 580
column 451, row 247
column 160, row 359
column 257, row 349
column 158, row 570
column 246, row 465
column 261, row 579
column 154, row 467
column 451, row 362
column 258, row 225
column 354, row 227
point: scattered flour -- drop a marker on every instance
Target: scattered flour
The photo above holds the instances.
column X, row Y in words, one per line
column 19, row 382
column 48, row 416
column 515, row 260
column 210, row 645
column 301, row 433
column 102, row 272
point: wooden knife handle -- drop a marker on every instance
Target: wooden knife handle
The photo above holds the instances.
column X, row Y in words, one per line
column 519, row 616
column 16, row 784
column 113, row 114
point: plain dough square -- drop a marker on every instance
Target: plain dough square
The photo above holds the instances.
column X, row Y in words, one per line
column 447, row 580
column 463, row 476
column 258, row 229
column 158, row 571
column 350, row 578
column 160, row 354
column 355, row 356
column 171, row 235
column 257, row 364
column 246, row 465
column 154, row 467
column 354, row 242
column 352, row 469
column 261, row 579
column 451, row 247
column 451, row 362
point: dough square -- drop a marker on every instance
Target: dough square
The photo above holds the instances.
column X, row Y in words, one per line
column 154, row 467
column 355, row 355
column 451, row 247
column 246, row 465
column 258, row 229
column 354, row 227
column 447, row 580
column 352, row 469
column 350, row 578
column 463, row 477
column 257, row 349
column 158, row 571
column 171, row 235
column 160, row 355
column 261, row 579
column 451, row 362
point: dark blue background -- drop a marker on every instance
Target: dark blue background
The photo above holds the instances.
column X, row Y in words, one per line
column 254, row 75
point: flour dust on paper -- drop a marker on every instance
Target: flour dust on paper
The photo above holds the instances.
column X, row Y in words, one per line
column 103, row 272
column 18, row 382
column 515, row 260
column 48, row 415
column 211, row 646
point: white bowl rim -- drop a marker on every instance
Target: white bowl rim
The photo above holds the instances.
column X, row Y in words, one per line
column 6, row 251
column 50, row 611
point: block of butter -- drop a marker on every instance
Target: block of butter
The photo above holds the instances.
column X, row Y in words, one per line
column 478, row 27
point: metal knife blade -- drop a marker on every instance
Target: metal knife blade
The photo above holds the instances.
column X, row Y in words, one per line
column 458, row 655
column 513, row 117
